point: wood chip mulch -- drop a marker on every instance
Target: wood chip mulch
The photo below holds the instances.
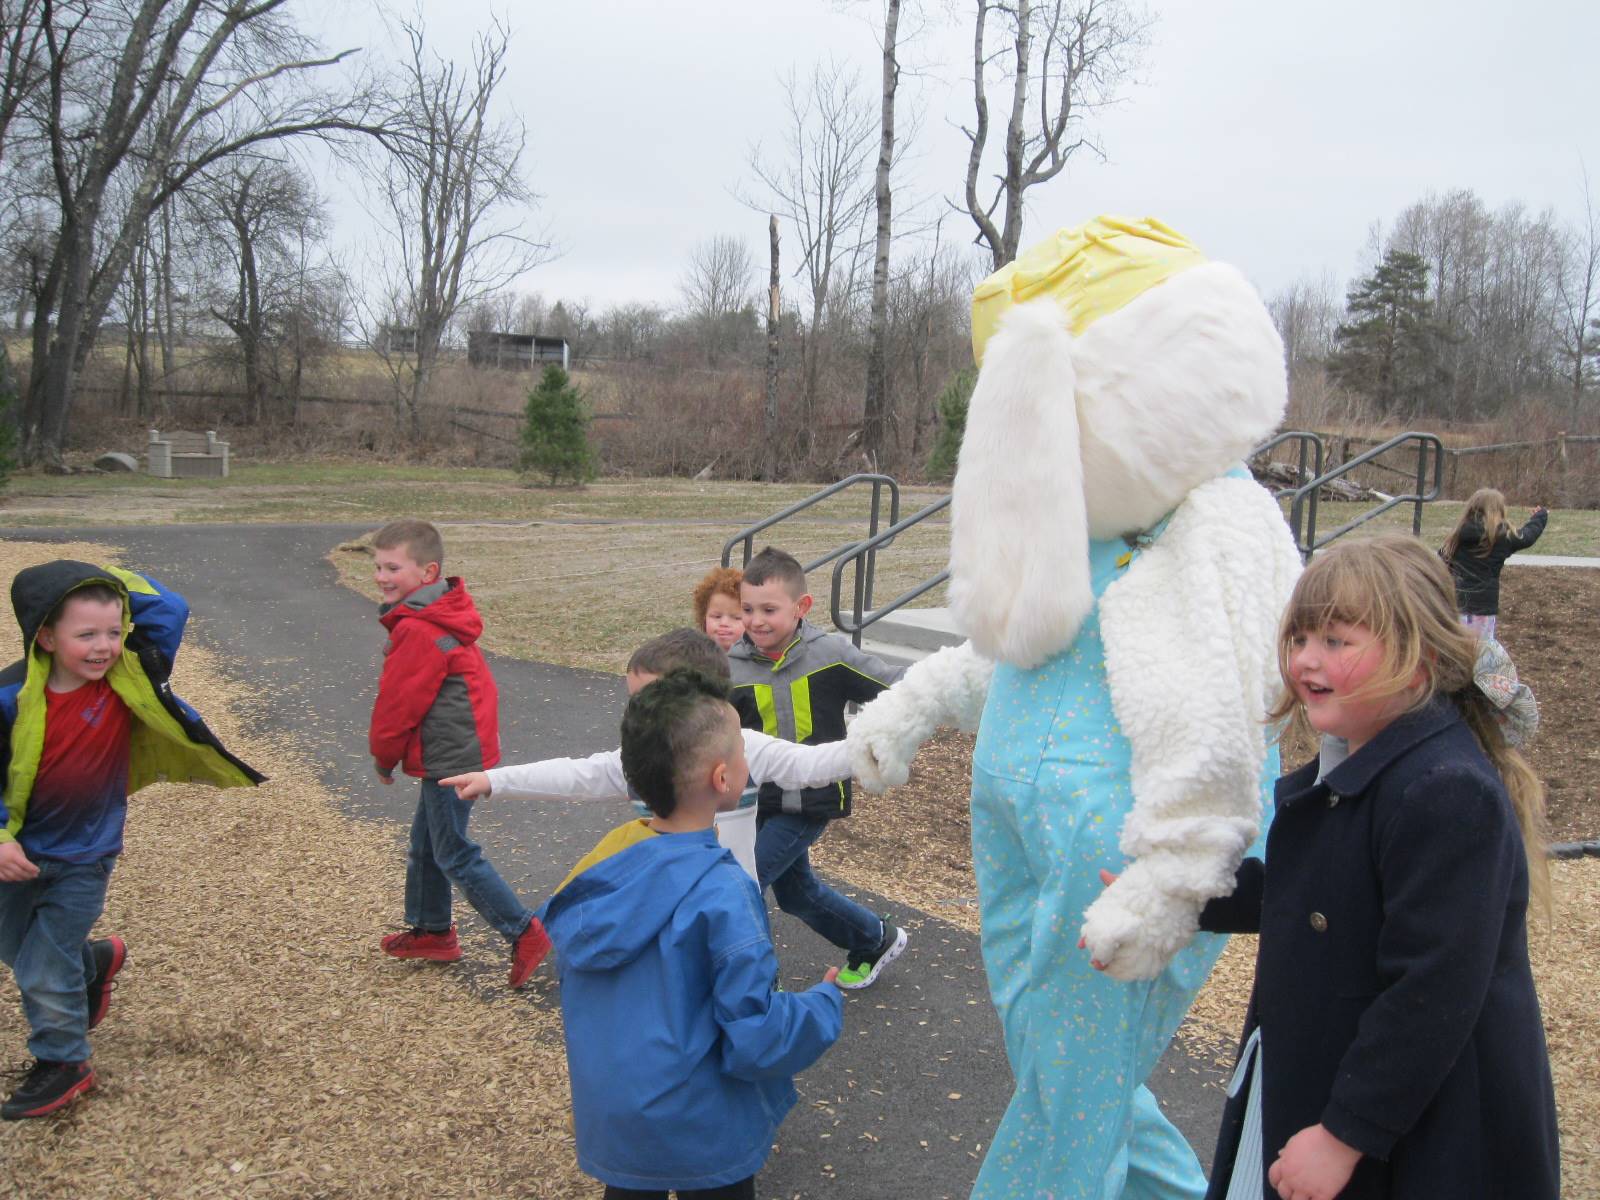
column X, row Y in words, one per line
column 258, row 1043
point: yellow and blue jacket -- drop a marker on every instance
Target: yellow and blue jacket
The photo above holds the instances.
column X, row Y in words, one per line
column 169, row 741
column 801, row 697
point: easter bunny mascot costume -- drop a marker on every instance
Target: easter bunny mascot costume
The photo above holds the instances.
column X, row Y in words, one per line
column 1120, row 578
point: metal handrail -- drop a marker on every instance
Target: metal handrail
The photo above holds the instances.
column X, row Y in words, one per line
column 878, row 483
column 1309, row 442
column 1303, row 500
column 863, row 614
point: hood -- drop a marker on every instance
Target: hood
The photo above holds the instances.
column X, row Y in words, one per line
column 609, row 914
column 446, row 603
column 36, row 590
column 1091, row 423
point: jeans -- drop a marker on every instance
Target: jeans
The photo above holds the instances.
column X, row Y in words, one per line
column 783, row 863
column 44, row 939
column 441, row 854
column 745, row 1189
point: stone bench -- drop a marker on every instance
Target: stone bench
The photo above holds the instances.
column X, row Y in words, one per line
column 182, row 454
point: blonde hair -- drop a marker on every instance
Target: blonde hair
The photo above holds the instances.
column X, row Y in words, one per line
column 1401, row 591
column 1487, row 507
column 719, row 581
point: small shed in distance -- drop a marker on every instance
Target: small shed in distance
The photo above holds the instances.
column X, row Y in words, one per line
column 515, row 351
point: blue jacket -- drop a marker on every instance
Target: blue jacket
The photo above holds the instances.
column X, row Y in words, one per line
column 169, row 741
column 680, row 1051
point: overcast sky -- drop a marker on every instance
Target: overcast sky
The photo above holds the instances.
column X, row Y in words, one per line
column 1272, row 132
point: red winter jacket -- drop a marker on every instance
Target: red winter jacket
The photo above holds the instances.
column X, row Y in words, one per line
column 438, row 711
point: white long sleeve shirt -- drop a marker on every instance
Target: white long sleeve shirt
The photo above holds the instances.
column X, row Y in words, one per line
column 599, row 777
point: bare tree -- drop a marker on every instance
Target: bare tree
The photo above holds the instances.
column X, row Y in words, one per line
column 21, row 59
column 1068, row 58
column 138, row 99
column 455, row 201
column 820, row 186
column 1577, row 331
column 878, row 407
column 262, row 214
column 769, row 412
column 718, row 287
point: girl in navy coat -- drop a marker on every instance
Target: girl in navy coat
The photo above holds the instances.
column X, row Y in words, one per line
column 1394, row 1046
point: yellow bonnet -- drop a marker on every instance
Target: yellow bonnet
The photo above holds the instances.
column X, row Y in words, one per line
column 1089, row 270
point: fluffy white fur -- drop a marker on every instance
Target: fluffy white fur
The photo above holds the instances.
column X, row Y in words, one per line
column 1072, row 438
column 946, row 688
column 1191, row 659
column 1019, row 540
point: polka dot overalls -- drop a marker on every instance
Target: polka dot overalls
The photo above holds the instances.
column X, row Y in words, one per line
column 1050, row 790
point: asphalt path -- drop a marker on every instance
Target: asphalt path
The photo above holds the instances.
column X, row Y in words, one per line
column 902, row 1107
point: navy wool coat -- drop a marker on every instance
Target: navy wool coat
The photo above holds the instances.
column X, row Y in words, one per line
column 1393, row 991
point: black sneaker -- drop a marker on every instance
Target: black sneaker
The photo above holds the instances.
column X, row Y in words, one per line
column 109, row 955
column 48, row 1086
column 863, row 972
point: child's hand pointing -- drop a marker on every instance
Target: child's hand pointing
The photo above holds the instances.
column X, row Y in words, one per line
column 471, row 785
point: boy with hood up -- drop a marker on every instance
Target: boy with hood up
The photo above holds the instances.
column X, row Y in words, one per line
column 680, row 1051
column 86, row 719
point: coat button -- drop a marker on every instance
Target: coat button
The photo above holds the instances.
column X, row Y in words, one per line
column 1333, row 799
column 1319, row 922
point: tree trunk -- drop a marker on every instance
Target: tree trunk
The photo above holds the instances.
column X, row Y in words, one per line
column 770, row 416
column 877, row 404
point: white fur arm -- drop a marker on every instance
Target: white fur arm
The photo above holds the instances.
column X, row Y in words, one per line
column 946, row 688
column 1191, row 658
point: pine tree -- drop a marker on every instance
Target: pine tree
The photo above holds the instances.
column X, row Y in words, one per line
column 1388, row 346
column 953, row 403
column 555, row 431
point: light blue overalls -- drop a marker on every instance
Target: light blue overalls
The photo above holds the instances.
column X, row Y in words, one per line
column 1050, row 790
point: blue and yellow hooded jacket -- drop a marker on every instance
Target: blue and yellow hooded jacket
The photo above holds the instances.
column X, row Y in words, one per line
column 169, row 741
column 681, row 1053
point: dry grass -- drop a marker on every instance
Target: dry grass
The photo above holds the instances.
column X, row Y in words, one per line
column 259, row 1044
column 587, row 595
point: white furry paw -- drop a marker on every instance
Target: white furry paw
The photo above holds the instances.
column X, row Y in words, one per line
column 881, row 747
column 1134, row 928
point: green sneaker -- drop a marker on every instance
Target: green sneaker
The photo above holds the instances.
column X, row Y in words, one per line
column 862, row 974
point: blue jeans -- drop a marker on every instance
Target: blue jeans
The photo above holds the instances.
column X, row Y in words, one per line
column 44, row 939
column 441, row 854
column 783, row 863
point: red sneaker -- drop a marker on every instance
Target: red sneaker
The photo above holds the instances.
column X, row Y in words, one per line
column 419, row 943
column 528, row 951
column 109, row 955
column 49, row 1086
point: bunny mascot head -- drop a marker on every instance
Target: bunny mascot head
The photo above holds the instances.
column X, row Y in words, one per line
column 1120, row 370
column 1120, row 578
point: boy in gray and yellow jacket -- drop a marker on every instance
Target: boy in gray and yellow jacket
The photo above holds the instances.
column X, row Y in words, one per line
column 799, row 679
column 86, row 719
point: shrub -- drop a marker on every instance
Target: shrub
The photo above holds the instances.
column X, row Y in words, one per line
column 8, row 418
column 555, row 431
column 953, row 403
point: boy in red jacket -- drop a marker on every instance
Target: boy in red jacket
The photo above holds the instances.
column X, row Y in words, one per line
column 437, row 714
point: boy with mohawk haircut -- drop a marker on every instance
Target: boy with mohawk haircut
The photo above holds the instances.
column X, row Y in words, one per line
column 680, row 1050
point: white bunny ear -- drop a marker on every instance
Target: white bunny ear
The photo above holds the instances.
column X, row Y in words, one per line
column 1019, row 537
